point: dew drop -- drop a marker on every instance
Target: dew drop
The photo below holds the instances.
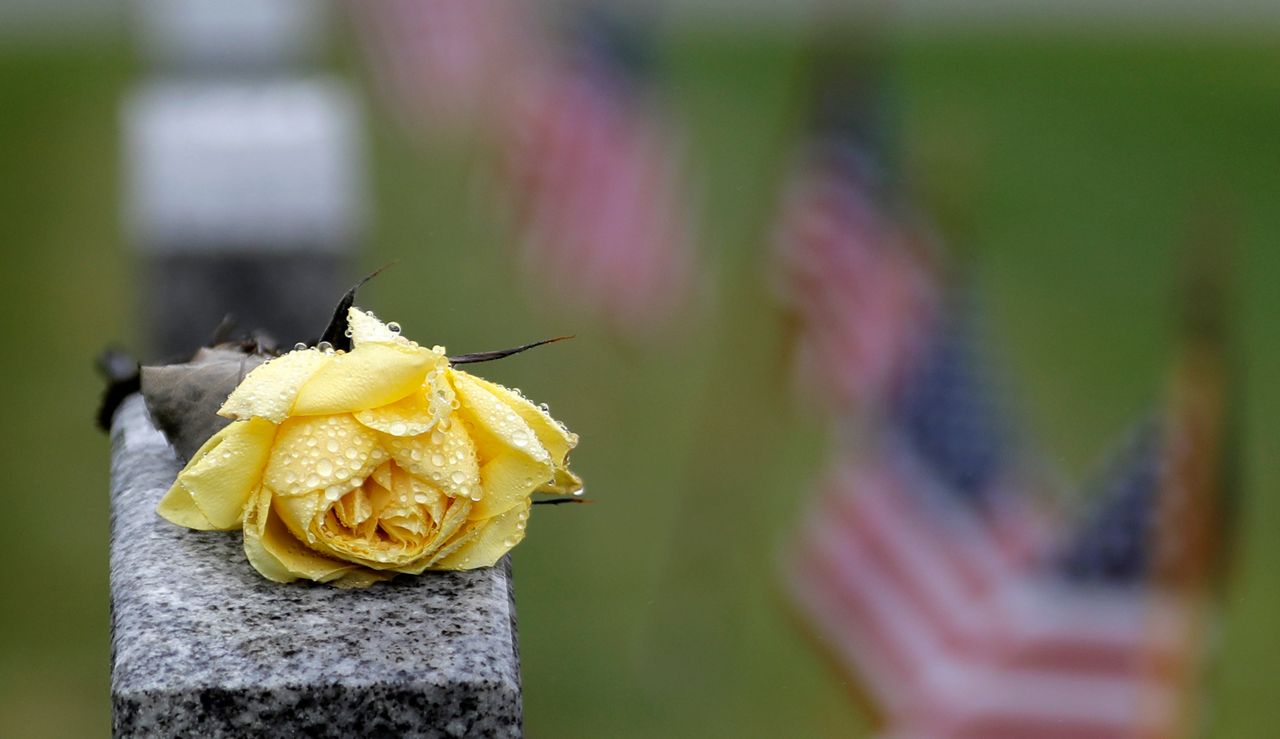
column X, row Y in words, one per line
column 398, row 428
column 333, row 445
column 300, row 346
column 458, row 478
column 437, row 460
column 393, row 327
column 325, row 468
column 325, row 347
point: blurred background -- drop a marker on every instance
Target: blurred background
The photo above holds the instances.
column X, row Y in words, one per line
column 627, row 174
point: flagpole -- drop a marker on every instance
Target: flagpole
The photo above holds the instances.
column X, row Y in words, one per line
column 1192, row 547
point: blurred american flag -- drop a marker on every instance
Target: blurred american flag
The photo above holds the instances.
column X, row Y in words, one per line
column 445, row 66
column 935, row 567
column 857, row 285
column 927, row 572
column 856, row 277
column 598, row 177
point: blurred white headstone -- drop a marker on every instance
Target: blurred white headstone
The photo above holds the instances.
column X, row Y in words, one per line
column 260, row 166
column 225, row 35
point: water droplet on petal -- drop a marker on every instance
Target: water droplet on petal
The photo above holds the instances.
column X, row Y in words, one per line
column 437, row 460
column 300, row 346
column 325, row 468
column 393, row 327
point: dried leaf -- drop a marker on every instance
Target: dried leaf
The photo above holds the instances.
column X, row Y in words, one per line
column 183, row 399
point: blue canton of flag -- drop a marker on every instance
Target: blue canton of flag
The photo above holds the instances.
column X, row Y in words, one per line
column 950, row 411
column 1116, row 537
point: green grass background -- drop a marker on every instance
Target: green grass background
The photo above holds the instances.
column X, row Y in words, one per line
column 655, row 611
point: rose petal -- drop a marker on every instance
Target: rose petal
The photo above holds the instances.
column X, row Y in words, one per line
column 457, row 514
column 455, row 530
column 555, row 438
column 177, row 507
column 445, row 458
column 299, row 513
column 276, row 553
column 366, row 328
column 566, row 482
column 312, row 453
column 514, row 461
column 269, row 391
column 221, row 476
column 368, row 376
column 495, row 538
column 409, row 416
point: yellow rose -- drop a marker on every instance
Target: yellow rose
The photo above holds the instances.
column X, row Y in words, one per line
column 350, row 467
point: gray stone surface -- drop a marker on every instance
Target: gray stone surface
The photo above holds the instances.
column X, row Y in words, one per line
column 204, row 646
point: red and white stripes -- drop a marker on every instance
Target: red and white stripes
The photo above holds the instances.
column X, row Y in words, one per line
column 956, row 634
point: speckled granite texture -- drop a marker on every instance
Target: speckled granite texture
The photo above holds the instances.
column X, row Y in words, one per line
column 204, row 646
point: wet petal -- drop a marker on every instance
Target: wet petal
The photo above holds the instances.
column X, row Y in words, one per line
column 177, row 507
column 498, row 425
column 371, row 375
column 514, row 462
column 553, row 436
column 312, row 453
column 222, row 474
column 455, row 529
column 565, row 482
column 269, row 391
column 445, row 458
column 495, row 538
column 366, row 328
column 275, row 552
column 454, row 518
column 299, row 514
column 408, row 416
